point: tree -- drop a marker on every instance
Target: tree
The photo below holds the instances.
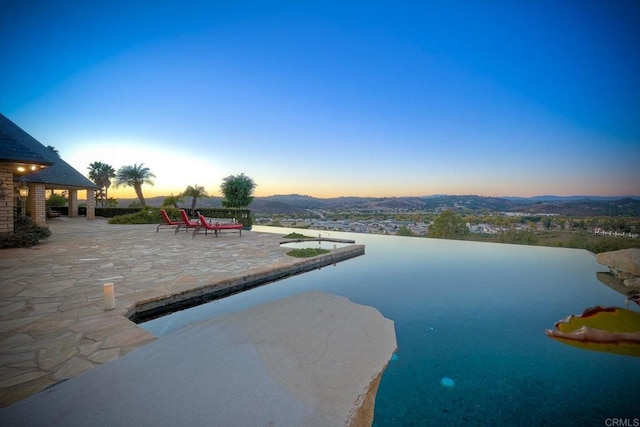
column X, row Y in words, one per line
column 196, row 192
column 404, row 231
column 54, row 149
column 172, row 201
column 135, row 176
column 55, row 200
column 101, row 174
column 112, row 203
column 237, row 191
column 449, row 225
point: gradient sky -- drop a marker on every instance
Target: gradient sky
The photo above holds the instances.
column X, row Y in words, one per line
column 335, row 98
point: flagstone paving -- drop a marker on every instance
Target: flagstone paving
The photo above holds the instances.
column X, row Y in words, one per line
column 53, row 324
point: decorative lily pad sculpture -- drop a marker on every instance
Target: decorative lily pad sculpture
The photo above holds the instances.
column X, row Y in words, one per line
column 608, row 329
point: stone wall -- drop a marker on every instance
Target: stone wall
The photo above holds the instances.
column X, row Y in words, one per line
column 6, row 204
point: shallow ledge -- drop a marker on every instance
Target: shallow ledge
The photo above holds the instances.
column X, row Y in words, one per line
column 316, row 239
column 311, row 359
column 145, row 310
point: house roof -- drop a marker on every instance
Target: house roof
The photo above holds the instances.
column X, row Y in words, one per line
column 17, row 146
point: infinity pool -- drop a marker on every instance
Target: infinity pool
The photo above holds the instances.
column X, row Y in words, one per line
column 470, row 320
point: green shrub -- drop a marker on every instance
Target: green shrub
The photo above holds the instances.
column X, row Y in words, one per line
column 144, row 216
column 173, row 213
column 149, row 215
column 55, row 201
column 110, row 212
column 25, row 233
column 598, row 244
column 307, row 252
column 405, row 231
column 606, row 244
column 518, row 237
column 449, row 225
column 296, row 236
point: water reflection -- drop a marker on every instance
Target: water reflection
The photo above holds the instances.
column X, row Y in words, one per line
column 476, row 313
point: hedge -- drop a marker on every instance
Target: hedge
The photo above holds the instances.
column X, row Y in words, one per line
column 152, row 215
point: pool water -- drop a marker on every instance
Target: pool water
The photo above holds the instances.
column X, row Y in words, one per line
column 470, row 320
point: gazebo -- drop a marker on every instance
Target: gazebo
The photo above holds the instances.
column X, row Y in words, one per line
column 27, row 170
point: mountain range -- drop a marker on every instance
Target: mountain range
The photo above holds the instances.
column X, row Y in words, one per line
column 548, row 204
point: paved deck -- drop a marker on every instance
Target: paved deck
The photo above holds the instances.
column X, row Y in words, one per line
column 53, row 324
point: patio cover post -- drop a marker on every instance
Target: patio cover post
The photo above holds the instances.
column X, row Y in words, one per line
column 36, row 201
column 91, row 205
column 73, row 203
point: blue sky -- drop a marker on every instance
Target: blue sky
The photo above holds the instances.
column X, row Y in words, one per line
column 329, row 98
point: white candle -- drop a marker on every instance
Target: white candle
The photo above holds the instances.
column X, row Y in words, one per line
column 109, row 296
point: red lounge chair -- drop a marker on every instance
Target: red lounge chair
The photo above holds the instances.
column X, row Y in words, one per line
column 186, row 222
column 216, row 227
column 168, row 222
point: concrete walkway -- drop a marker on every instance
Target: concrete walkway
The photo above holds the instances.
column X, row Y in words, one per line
column 53, row 324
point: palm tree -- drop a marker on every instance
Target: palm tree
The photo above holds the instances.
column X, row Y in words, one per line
column 172, row 201
column 196, row 192
column 101, row 174
column 134, row 176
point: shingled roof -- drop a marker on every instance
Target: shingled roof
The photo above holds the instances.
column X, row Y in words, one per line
column 17, row 146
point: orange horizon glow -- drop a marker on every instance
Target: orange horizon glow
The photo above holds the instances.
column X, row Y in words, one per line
column 152, row 192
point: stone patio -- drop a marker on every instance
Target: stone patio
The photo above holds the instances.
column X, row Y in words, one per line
column 53, row 324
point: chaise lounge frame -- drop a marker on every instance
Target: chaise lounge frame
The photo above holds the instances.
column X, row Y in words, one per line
column 168, row 222
column 217, row 227
column 186, row 222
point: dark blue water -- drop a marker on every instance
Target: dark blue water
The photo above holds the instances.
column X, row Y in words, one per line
column 475, row 313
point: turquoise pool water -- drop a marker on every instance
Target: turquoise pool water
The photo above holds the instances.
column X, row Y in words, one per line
column 470, row 320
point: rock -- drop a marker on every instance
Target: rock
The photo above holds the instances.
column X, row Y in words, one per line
column 312, row 359
column 625, row 269
column 621, row 262
column 613, row 282
column 633, row 283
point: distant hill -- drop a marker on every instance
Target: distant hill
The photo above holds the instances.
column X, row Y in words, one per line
column 552, row 198
column 298, row 204
column 156, row 202
column 586, row 207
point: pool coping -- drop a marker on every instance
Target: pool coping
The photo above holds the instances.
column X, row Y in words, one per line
column 156, row 307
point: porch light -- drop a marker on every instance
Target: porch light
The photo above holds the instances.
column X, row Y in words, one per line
column 4, row 190
column 23, row 167
column 23, row 190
